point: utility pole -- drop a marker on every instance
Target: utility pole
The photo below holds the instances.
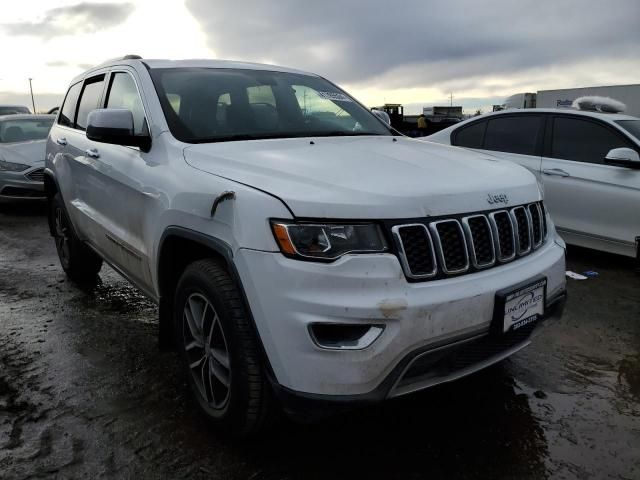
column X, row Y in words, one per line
column 451, row 99
column 33, row 102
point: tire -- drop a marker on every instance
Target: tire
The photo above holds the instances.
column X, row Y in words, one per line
column 220, row 351
column 80, row 263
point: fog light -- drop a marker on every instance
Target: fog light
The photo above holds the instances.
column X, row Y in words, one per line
column 339, row 336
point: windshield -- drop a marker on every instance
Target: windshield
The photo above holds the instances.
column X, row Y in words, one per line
column 24, row 130
column 631, row 126
column 212, row 105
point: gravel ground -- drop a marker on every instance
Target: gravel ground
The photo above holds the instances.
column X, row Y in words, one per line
column 85, row 392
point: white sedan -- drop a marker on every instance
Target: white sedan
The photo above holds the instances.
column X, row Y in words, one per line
column 587, row 162
column 22, row 150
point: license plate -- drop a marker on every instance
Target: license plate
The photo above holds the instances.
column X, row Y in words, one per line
column 520, row 306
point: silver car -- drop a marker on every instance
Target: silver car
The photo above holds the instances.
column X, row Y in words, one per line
column 22, row 151
column 588, row 163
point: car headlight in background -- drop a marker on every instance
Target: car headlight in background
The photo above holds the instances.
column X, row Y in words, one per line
column 327, row 241
column 12, row 167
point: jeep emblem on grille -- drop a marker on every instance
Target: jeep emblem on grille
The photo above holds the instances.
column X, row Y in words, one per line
column 499, row 198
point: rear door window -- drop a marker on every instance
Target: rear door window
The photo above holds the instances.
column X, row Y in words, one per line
column 584, row 140
column 513, row 134
column 68, row 110
column 89, row 100
column 471, row 136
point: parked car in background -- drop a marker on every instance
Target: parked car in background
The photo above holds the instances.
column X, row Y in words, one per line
column 22, row 151
column 588, row 163
column 13, row 109
column 300, row 252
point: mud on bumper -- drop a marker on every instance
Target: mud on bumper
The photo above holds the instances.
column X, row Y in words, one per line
column 425, row 367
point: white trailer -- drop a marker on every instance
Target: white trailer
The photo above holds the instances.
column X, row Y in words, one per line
column 563, row 98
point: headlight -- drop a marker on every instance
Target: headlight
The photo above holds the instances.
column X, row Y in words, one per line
column 12, row 167
column 327, row 241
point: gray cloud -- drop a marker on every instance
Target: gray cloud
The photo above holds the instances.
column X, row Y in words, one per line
column 80, row 18
column 419, row 42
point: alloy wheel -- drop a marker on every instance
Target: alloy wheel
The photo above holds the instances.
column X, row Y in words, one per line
column 62, row 236
column 207, row 352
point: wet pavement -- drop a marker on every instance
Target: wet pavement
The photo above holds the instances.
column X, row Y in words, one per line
column 85, row 392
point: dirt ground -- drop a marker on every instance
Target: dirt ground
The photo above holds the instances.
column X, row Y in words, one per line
column 86, row 393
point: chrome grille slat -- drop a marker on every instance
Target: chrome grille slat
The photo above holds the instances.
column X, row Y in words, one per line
column 416, row 269
column 503, row 235
column 452, row 249
column 522, row 229
column 452, row 246
column 481, row 246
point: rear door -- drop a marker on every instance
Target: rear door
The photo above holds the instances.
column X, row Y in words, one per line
column 514, row 137
column 82, row 205
column 592, row 203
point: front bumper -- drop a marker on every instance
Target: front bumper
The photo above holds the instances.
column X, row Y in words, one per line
column 17, row 186
column 286, row 296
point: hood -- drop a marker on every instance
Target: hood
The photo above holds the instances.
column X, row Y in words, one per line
column 28, row 153
column 368, row 177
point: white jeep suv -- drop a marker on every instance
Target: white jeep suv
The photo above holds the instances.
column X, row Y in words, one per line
column 299, row 251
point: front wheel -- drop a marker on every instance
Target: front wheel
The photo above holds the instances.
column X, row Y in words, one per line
column 220, row 351
column 79, row 262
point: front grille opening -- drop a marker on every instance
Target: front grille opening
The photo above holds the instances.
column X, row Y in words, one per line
column 505, row 234
column 480, row 232
column 344, row 336
column 452, row 246
column 544, row 220
column 524, row 239
column 536, row 223
column 418, row 249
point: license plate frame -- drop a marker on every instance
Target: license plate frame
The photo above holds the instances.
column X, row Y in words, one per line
column 519, row 305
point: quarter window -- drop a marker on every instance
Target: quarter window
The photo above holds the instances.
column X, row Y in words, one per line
column 513, row 134
column 583, row 140
column 124, row 94
column 68, row 111
column 471, row 136
column 89, row 100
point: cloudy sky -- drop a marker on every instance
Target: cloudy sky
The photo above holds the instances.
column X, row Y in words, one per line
column 414, row 52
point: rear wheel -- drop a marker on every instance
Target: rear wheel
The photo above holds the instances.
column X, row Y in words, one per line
column 79, row 262
column 220, row 350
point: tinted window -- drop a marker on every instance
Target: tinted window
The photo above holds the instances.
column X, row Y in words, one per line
column 513, row 134
column 89, row 100
column 583, row 140
column 217, row 105
column 124, row 94
column 68, row 111
column 24, row 130
column 471, row 136
column 631, row 126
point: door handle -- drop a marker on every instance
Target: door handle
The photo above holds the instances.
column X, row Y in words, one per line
column 556, row 171
column 92, row 152
column 61, row 141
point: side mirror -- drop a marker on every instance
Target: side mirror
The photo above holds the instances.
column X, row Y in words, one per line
column 623, row 157
column 382, row 115
column 115, row 125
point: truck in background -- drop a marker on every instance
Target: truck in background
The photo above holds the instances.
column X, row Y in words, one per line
column 564, row 97
column 437, row 118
